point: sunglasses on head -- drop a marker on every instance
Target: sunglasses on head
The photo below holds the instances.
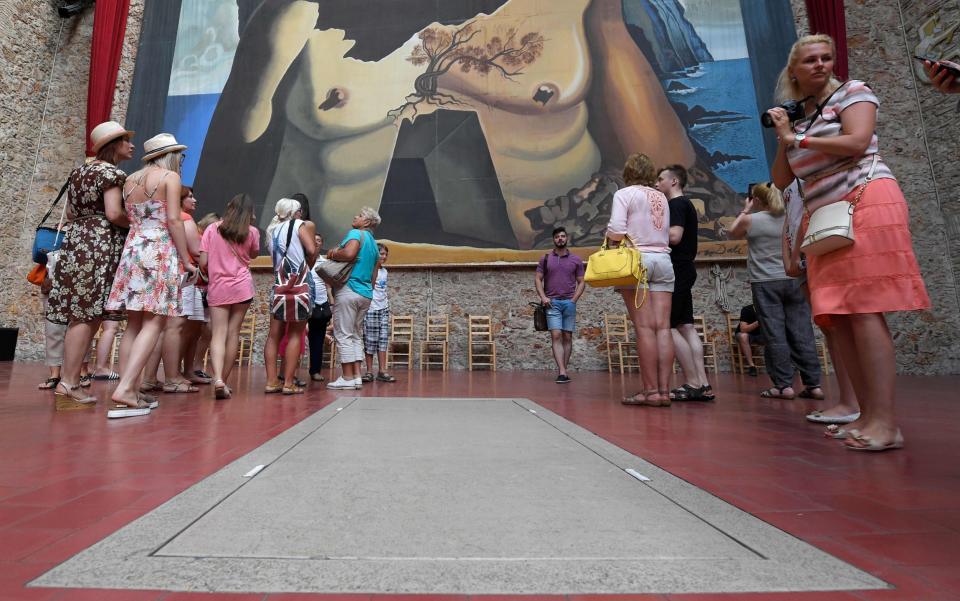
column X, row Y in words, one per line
column 750, row 186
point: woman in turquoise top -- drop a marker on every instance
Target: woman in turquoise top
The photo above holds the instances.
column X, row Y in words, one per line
column 352, row 300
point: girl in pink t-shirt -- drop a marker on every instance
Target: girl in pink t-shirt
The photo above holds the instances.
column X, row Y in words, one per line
column 226, row 249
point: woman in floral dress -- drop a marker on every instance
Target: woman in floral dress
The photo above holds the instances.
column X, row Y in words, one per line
column 92, row 243
column 147, row 283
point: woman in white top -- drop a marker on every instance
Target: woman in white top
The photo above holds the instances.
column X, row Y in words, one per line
column 302, row 250
column 320, row 318
column 640, row 212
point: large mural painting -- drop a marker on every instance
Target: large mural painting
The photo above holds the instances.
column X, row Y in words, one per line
column 474, row 126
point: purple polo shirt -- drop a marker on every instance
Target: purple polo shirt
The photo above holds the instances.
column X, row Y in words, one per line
column 561, row 273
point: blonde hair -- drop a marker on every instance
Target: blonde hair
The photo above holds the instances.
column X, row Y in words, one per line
column 169, row 161
column 283, row 211
column 769, row 198
column 639, row 170
column 787, row 88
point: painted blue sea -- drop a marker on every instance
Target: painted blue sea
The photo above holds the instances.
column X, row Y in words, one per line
column 727, row 86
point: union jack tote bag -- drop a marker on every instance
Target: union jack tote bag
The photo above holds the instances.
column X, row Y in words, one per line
column 291, row 293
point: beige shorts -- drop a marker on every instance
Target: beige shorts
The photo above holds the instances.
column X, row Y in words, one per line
column 660, row 276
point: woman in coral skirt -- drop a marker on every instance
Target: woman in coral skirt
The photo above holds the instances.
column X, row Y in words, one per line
column 834, row 151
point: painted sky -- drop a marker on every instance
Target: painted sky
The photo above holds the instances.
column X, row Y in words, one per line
column 720, row 25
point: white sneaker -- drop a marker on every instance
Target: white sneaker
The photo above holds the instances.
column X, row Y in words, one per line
column 357, row 383
column 341, row 384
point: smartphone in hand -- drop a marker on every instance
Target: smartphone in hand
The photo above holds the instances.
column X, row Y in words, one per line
column 940, row 65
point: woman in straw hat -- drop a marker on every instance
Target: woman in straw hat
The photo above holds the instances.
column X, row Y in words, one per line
column 148, row 280
column 92, row 243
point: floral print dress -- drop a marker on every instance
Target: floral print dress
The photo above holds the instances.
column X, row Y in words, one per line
column 90, row 250
column 148, row 277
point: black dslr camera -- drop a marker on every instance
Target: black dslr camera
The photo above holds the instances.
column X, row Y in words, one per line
column 795, row 112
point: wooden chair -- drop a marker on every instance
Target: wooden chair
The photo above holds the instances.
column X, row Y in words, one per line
column 114, row 345
column 481, row 347
column 616, row 329
column 736, row 357
column 248, row 329
column 400, row 348
column 709, row 348
column 628, row 356
column 329, row 351
column 433, row 347
column 824, row 357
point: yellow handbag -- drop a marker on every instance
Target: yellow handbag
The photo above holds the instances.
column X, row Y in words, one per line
column 618, row 266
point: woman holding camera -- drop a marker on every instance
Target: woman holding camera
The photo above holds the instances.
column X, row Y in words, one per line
column 834, row 151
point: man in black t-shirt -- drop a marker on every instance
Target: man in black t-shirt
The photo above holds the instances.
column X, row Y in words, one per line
column 748, row 332
column 683, row 252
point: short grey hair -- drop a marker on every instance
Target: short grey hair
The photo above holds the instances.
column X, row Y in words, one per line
column 371, row 215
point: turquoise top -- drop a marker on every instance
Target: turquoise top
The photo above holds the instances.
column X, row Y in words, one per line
column 361, row 276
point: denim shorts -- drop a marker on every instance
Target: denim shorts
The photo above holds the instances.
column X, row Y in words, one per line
column 561, row 315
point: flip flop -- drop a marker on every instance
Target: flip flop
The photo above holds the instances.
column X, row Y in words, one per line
column 862, row 442
column 121, row 409
column 644, row 402
column 818, row 417
column 49, row 384
column 385, row 377
column 150, row 386
column 176, row 387
column 110, row 376
column 807, row 393
column 837, row 433
column 768, row 394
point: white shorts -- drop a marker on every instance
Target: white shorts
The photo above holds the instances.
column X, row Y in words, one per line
column 192, row 303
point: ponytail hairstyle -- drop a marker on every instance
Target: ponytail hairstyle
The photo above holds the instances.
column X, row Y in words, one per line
column 235, row 226
column 787, row 88
column 283, row 211
column 769, row 197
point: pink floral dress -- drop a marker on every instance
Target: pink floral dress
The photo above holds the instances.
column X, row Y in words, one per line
column 148, row 278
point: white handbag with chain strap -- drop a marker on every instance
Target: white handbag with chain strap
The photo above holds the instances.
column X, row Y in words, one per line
column 831, row 226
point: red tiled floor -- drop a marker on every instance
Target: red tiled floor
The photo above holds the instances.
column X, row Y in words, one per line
column 79, row 477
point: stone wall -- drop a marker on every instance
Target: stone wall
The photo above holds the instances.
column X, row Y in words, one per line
column 42, row 123
column 922, row 153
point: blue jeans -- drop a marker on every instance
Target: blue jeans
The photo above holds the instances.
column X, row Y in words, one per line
column 561, row 315
column 784, row 316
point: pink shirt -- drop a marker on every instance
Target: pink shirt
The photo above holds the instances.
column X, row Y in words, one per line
column 642, row 214
column 228, row 266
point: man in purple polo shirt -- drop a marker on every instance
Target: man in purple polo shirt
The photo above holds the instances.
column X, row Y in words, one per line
column 560, row 283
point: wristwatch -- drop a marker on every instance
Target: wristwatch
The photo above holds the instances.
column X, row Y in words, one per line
column 798, row 140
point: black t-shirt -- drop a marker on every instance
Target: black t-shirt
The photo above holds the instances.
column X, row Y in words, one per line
column 683, row 213
column 748, row 315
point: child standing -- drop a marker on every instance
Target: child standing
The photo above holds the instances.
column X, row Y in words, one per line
column 376, row 324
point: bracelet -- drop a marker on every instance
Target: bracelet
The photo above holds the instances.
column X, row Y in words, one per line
column 804, row 143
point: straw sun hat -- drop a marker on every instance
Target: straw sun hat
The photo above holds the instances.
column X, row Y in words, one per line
column 160, row 145
column 107, row 132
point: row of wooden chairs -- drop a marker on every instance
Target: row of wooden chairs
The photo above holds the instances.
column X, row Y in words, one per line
column 622, row 349
column 434, row 347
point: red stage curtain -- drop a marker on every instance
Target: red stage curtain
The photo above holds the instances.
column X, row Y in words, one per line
column 109, row 27
column 827, row 16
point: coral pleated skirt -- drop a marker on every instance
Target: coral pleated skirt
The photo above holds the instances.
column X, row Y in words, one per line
column 878, row 273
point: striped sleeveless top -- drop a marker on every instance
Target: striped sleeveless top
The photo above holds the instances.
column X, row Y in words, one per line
column 828, row 178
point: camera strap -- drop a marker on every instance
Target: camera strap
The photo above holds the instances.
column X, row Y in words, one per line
column 820, row 107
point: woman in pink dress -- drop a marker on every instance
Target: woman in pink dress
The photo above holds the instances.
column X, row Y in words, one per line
column 148, row 280
column 835, row 153
column 226, row 249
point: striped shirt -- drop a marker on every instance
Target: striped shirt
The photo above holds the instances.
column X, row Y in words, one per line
column 844, row 174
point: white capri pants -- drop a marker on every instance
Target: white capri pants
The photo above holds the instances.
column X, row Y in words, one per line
column 348, row 313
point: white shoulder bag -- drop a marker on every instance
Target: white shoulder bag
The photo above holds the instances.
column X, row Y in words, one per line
column 831, row 226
